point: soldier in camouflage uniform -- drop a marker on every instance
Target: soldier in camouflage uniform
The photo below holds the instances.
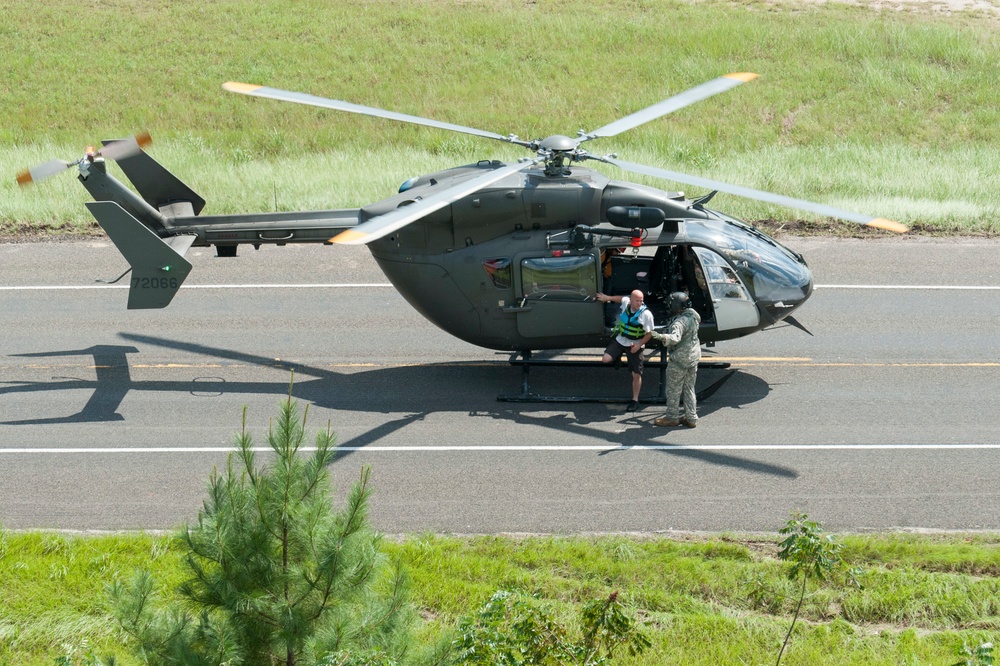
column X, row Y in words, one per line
column 685, row 352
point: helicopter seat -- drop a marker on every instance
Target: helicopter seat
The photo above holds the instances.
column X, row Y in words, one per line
column 627, row 273
column 654, row 281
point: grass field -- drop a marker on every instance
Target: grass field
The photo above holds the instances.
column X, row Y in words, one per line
column 893, row 113
column 698, row 597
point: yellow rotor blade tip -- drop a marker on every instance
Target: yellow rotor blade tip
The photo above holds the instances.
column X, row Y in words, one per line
column 742, row 76
column 143, row 139
column 245, row 88
column 24, row 178
column 888, row 225
column 348, row 236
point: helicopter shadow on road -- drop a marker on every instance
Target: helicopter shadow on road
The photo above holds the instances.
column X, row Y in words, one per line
column 413, row 391
column 717, row 389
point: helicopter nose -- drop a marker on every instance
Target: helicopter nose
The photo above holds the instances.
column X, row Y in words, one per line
column 781, row 301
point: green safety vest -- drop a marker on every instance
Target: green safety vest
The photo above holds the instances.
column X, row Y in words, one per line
column 629, row 326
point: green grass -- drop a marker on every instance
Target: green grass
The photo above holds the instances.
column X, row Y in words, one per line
column 892, row 113
column 922, row 596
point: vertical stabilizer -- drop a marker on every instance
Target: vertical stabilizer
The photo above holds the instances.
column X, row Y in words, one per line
column 158, row 268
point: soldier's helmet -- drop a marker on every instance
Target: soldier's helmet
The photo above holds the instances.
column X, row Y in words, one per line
column 678, row 302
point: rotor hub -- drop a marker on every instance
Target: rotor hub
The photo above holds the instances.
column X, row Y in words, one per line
column 558, row 143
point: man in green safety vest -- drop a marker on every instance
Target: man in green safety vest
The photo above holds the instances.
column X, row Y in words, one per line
column 633, row 328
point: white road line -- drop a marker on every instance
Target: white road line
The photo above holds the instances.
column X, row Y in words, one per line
column 386, row 285
column 203, row 286
column 906, row 286
column 477, row 449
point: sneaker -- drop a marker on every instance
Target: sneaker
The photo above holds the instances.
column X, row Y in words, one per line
column 633, row 405
column 664, row 421
column 689, row 424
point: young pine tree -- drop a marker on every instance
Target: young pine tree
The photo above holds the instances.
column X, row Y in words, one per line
column 276, row 574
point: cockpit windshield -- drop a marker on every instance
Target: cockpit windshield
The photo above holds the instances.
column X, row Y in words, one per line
column 764, row 264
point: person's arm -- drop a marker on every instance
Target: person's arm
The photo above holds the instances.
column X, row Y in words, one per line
column 604, row 298
column 673, row 334
column 637, row 345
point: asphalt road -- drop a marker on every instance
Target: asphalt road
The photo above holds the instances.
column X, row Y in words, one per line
column 885, row 417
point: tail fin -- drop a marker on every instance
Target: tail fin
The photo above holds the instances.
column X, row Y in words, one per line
column 157, row 185
column 158, row 266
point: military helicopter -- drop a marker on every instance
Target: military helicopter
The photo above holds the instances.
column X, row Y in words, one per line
column 507, row 256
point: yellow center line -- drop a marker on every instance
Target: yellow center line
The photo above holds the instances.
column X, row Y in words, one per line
column 873, row 364
column 756, row 359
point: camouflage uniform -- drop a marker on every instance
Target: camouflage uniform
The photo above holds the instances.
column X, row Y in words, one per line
column 685, row 352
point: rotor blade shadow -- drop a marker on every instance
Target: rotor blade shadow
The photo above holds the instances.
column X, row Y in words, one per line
column 374, row 435
column 711, row 390
column 633, row 439
column 83, row 416
column 232, row 355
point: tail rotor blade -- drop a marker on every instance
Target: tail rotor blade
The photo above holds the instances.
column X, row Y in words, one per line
column 118, row 150
column 42, row 171
column 114, row 150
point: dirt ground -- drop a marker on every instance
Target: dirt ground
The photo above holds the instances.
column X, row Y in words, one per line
column 946, row 7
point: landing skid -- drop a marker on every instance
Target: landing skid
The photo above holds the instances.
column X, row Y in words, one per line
column 526, row 362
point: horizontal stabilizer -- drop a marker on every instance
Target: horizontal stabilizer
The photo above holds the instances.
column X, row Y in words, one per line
column 158, row 267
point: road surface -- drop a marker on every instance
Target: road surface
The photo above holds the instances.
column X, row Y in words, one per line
column 885, row 417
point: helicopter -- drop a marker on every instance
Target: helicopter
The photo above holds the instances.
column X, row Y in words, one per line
column 506, row 256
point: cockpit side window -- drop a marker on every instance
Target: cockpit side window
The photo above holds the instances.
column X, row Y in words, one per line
column 499, row 272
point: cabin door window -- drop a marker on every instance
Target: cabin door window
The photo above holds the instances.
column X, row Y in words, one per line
column 559, row 278
column 559, row 297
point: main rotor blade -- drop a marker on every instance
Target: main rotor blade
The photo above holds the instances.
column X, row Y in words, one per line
column 312, row 100
column 42, row 171
column 671, row 104
column 769, row 197
column 380, row 226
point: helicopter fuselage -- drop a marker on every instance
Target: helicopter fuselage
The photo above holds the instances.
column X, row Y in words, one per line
column 503, row 268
